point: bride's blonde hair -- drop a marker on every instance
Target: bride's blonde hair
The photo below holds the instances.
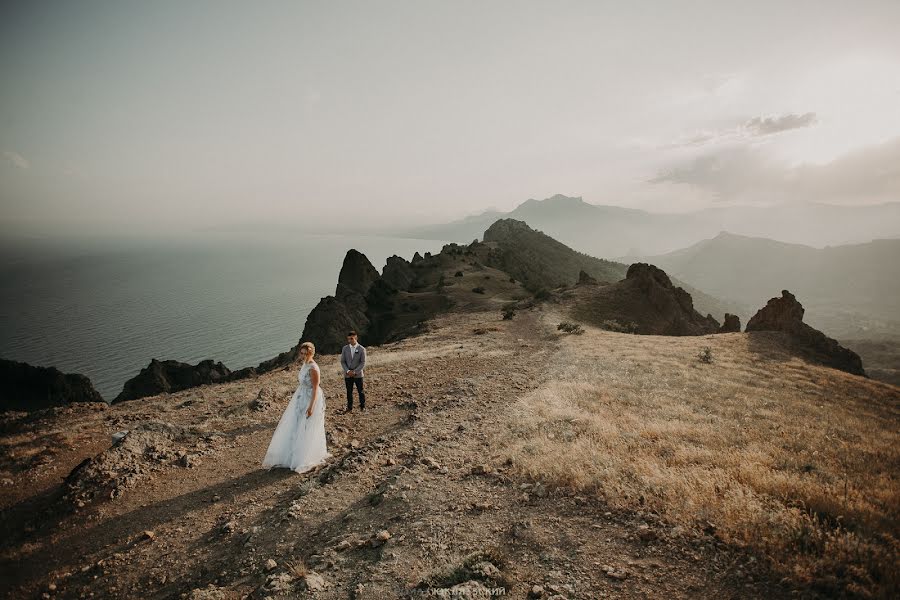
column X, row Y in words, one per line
column 310, row 346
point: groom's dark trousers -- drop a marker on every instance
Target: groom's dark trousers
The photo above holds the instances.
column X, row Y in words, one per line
column 349, row 381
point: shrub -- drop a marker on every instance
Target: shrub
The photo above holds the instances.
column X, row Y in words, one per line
column 478, row 290
column 484, row 330
column 567, row 327
column 508, row 313
column 542, row 294
column 458, row 274
column 705, row 355
column 613, row 325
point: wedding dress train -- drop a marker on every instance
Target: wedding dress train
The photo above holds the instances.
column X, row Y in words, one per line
column 299, row 442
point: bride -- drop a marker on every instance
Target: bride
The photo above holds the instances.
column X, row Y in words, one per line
column 299, row 439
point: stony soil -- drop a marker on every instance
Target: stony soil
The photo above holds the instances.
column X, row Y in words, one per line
column 413, row 502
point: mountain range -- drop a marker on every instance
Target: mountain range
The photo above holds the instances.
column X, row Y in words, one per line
column 609, row 231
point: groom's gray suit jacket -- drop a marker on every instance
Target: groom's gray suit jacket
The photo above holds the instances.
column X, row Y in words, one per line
column 355, row 362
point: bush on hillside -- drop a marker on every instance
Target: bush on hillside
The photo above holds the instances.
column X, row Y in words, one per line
column 613, row 325
column 568, row 327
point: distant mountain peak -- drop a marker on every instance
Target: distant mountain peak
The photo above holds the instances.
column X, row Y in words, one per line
column 556, row 199
column 564, row 198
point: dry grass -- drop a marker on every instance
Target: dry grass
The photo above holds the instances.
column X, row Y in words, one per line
column 796, row 461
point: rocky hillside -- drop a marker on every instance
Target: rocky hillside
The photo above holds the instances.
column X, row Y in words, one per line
column 495, row 443
column 541, row 262
column 475, row 468
column 398, row 302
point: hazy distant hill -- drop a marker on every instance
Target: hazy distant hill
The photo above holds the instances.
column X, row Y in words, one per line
column 849, row 291
column 609, row 231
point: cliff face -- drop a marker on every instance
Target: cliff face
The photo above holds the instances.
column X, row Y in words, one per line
column 786, row 314
column 27, row 387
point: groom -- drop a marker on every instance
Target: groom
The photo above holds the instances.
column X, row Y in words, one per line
column 353, row 361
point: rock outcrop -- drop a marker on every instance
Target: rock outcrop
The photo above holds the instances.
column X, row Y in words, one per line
column 732, row 324
column 328, row 323
column 385, row 307
column 357, row 275
column 399, row 273
column 786, row 314
column 27, row 387
column 644, row 302
column 172, row 376
column 672, row 305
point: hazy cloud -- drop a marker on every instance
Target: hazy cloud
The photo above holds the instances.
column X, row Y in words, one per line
column 749, row 173
column 16, row 159
column 770, row 125
column 726, row 173
column 746, row 129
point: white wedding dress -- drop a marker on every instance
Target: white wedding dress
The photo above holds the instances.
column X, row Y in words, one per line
column 299, row 442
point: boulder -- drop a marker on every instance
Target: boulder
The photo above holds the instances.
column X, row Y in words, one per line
column 732, row 324
column 786, row 314
column 172, row 376
column 28, row 387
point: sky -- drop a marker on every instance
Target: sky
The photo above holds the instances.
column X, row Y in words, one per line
column 141, row 117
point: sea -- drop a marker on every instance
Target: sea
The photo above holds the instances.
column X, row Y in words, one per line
column 105, row 309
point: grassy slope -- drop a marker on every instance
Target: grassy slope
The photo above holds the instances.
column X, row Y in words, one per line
column 796, row 461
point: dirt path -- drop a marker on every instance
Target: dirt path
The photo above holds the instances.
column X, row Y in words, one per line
column 420, row 464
